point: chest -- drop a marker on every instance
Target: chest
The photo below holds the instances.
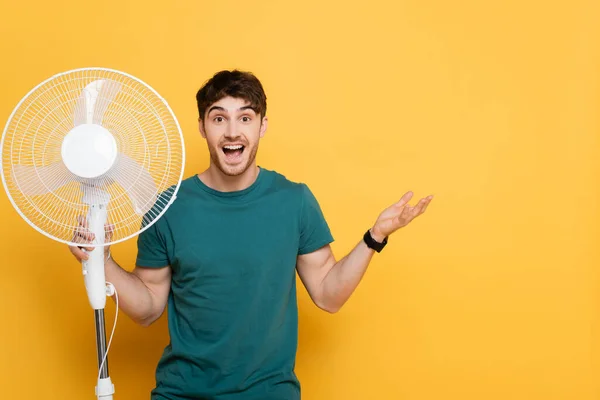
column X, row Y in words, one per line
column 234, row 246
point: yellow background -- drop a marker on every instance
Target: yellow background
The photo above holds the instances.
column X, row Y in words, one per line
column 491, row 106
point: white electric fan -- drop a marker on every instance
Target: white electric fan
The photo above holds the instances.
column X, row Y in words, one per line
column 97, row 143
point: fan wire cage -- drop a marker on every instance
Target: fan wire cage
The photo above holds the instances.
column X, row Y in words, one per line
column 141, row 184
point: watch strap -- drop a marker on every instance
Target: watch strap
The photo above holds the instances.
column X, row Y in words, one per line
column 372, row 243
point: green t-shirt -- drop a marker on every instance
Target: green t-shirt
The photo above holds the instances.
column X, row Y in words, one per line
column 232, row 309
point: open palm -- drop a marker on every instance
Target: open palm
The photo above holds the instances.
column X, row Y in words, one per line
column 398, row 215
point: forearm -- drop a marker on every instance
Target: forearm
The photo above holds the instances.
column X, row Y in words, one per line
column 135, row 298
column 343, row 278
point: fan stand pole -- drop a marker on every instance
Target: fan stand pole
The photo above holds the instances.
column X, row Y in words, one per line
column 105, row 388
column 95, row 283
column 101, row 343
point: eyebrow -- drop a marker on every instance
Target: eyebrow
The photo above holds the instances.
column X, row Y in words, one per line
column 219, row 108
column 247, row 108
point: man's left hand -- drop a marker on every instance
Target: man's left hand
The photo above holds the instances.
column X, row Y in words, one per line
column 397, row 216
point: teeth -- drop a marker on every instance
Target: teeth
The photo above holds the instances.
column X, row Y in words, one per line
column 237, row 147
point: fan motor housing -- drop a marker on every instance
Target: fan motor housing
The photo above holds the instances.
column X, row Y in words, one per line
column 89, row 150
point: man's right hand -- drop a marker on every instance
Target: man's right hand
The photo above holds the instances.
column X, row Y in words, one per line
column 143, row 292
column 83, row 236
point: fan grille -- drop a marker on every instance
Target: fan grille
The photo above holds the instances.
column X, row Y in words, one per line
column 144, row 127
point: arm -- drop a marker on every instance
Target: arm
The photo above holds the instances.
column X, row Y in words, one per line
column 143, row 293
column 329, row 282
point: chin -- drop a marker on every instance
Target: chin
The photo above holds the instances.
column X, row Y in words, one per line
column 233, row 170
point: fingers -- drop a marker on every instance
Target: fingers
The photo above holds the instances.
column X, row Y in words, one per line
column 82, row 235
column 79, row 253
column 404, row 217
column 403, row 200
column 409, row 213
column 82, row 232
column 420, row 207
column 109, row 229
column 83, row 221
column 426, row 202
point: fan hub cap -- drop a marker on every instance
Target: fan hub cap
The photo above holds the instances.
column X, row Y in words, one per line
column 89, row 150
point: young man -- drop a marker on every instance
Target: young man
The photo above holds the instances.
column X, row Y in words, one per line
column 223, row 260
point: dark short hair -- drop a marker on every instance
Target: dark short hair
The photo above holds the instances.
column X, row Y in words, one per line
column 235, row 83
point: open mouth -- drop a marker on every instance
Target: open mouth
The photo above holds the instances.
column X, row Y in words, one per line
column 233, row 152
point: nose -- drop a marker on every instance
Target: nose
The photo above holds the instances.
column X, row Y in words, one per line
column 232, row 131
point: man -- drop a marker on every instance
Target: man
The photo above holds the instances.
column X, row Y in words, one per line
column 223, row 259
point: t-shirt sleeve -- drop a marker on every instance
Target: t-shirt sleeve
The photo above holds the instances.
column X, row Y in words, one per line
column 152, row 250
column 314, row 230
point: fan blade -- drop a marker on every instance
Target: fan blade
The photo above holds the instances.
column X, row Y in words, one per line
column 33, row 181
column 108, row 91
column 136, row 181
column 93, row 194
column 94, row 100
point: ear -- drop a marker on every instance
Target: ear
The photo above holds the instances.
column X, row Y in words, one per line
column 263, row 126
column 201, row 128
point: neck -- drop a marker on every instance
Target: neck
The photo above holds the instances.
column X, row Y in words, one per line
column 214, row 178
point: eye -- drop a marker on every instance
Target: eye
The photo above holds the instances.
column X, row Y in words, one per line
column 246, row 118
column 218, row 119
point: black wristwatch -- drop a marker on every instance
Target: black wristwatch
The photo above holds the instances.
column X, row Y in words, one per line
column 372, row 243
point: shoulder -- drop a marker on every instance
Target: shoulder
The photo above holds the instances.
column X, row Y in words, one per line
column 169, row 199
column 280, row 182
column 188, row 189
column 291, row 191
column 187, row 186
